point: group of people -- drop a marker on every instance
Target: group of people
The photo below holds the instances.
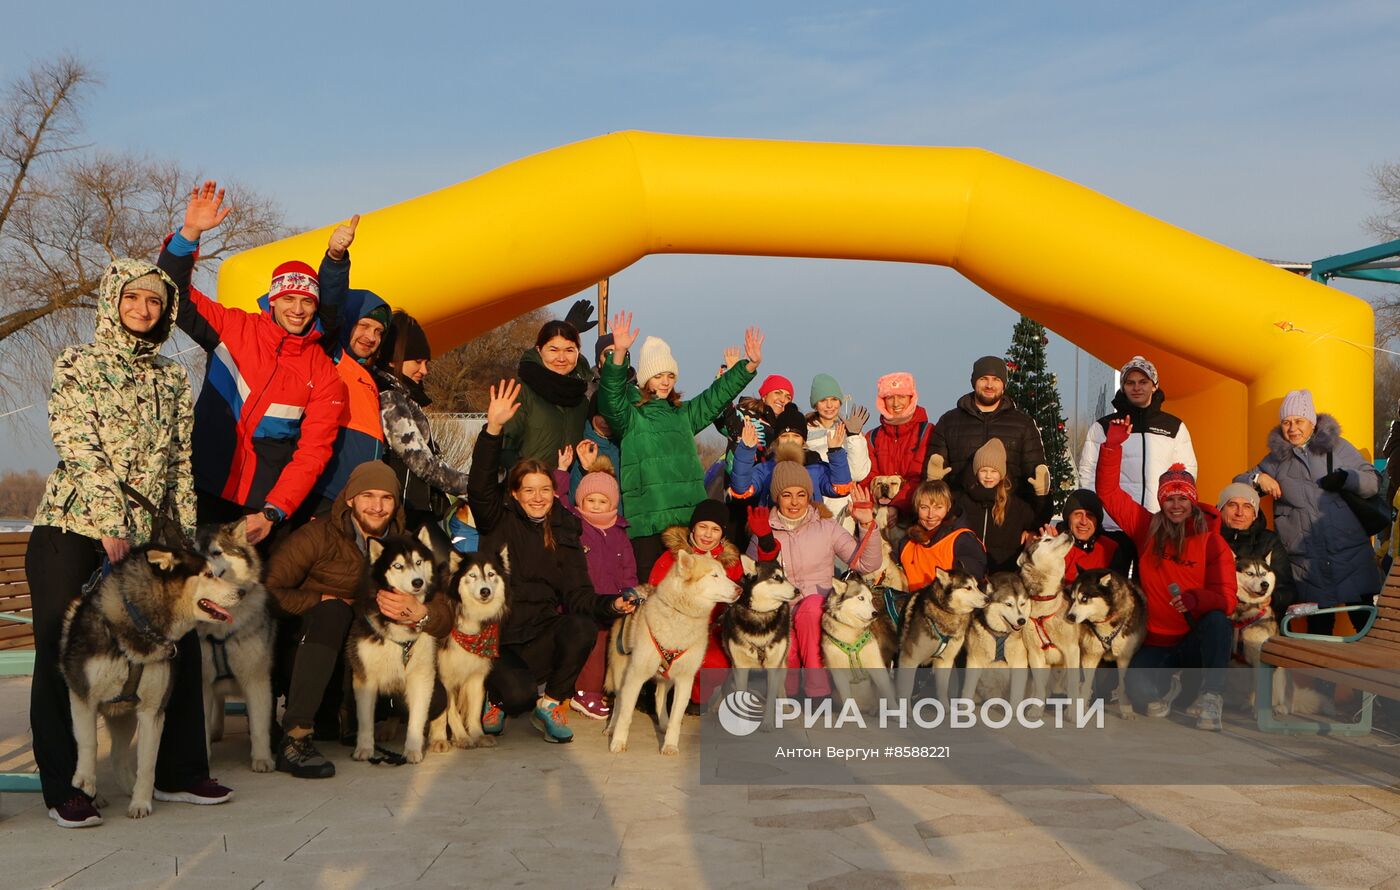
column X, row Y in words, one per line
column 311, row 429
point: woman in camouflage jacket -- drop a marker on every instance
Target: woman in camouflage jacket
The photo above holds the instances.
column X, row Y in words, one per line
column 121, row 416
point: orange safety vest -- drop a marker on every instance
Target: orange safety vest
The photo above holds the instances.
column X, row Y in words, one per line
column 920, row 561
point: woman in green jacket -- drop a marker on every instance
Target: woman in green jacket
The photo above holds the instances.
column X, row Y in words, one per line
column 662, row 479
column 553, row 397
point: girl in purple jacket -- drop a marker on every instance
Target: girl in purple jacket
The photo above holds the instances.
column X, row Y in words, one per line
column 612, row 566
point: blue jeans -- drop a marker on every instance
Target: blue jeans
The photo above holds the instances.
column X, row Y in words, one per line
column 1206, row 647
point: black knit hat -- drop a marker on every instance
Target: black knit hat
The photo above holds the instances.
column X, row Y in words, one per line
column 988, row 366
column 709, row 510
column 405, row 341
column 790, row 421
column 1084, row 499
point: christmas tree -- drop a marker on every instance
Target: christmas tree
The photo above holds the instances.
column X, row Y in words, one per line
column 1032, row 388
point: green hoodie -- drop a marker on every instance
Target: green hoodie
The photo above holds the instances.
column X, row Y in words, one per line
column 120, row 412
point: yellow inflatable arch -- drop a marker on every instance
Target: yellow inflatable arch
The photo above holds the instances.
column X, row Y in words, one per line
column 1109, row 278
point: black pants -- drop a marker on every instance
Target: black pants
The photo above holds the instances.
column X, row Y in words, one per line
column 555, row 656
column 647, row 550
column 318, row 651
column 58, row 564
column 1205, row 649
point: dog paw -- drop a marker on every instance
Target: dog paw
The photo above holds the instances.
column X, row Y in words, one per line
column 1281, row 712
column 486, row 741
column 413, row 755
column 670, row 750
column 139, row 809
column 617, row 746
column 1127, row 713
column 440, row 746
column 85, row 784
column 263, row 764
column 363, row 753
column 462, row 742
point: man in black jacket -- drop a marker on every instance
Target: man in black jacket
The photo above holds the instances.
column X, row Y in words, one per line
column 1249, row 536
column 987, row 413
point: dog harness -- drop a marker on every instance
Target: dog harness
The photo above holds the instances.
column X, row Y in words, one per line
column 485, row 642
column 999, row 637
column 1041, row 633
column 1237, row 650
column 943, row 639
column 668, row 656
column 892, row 605
column 218, row 647
column 1263, row 611
column 406, row 647
column 134, row 669
column 852, row 650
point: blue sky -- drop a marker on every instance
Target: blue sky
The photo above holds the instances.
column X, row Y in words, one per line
column 1255, row 124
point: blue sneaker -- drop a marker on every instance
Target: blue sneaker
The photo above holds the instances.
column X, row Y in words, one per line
column 493, row 719
column 552, row 718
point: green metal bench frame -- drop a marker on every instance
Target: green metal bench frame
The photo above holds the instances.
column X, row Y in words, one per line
column 1264, row 684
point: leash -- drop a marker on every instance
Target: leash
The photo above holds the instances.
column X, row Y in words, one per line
column 858, row 672
column 485, row 642
column 385, row 755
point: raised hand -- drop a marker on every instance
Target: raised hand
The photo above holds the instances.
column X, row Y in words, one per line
column 1118, row 431
column 760, row 522
column 856, row 420
column 587, row 451
column 936, row 468
column 749, row 436
column 581, row 316
column 1040, row 482
column 836, row 437
column 862, row 507
column 503, row 405
column 624, row 335
column 753, row 347
column 732, row 354
column 204, row 210
column 566, row 457
column 342, row 238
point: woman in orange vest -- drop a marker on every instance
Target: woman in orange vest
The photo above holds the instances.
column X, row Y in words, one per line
column 939, row 539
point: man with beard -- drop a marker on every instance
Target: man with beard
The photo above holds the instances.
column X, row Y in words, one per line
column 314, row 577
column 987, row 413
column 751, row 480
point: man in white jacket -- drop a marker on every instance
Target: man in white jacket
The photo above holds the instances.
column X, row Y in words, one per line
column 1158, row 439
column 826, row 401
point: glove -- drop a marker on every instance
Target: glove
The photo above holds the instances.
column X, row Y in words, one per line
column 1040, row 481
column 855, row 420
column 759, row 523
column 1117, row 434
column 1333, row 481
column 936, row 469
column 579, row 316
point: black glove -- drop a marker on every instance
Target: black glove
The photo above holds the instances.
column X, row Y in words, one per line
column 1333, row 481
column 579, row 316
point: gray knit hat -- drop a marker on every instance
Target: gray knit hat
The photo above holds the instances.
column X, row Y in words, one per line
column 988, row 366
column 1237, row 490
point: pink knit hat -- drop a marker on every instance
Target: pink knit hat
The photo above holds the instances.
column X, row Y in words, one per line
column 598, row 483
column 896, row 384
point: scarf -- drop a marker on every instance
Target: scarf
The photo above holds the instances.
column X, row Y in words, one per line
column 601, row 521
column 564, row 390
column 485, row 642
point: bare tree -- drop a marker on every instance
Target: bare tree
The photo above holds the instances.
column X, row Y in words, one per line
column 460, row 379
column 1385, row 187
column 67, row 212
column 20, row 493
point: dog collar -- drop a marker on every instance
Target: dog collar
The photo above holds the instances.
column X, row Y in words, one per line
column 1263, row 610
column 485, row 642
column 144, row 629
column 1045, row 599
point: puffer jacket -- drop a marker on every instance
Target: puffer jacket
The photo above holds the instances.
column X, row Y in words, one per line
column 809, row 548
column 547, row 420
column 1159, row 440
column 543, row 580
column 903, row 450
column 119, row 412
column 1258, row 542
column 1002, row 542
column 752, row 482
column 677, row 540
column 966, row 428
column 410, row 448
column 857, row 458
column 1330, row 552
column 661, row 477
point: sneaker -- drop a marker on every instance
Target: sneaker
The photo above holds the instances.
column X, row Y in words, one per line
column 1209, row 717
column 1194, row 709
column 76, row 813
column 552, row 718
column 1163, row 706
column 591, row 705
column 493, row 719
column 206, row 792
column 299, row 757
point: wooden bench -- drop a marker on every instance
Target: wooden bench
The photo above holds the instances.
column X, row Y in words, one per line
column 16, row 632
column 1368, row 661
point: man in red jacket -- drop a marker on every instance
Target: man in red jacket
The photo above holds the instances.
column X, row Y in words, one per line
column 272, row 401
column 1187, row 572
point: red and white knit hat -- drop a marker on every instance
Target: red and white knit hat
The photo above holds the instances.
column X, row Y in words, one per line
column 1176, row 480
column 294, row 277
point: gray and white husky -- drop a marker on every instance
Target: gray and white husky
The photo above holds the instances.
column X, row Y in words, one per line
column 237, row 654
column 1254, row 623
column 1052, row 642
column 477, row 591
column 859, row 643
column 1111, row 612
column 386, row 657
column 995, row 640
column 115, row 654
column 757, row 629
column 933, row 628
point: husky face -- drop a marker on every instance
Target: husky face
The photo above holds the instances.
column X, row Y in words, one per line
column 479, row 585
column 403, row 564
column 1256, row 580
column 1045, row 553
column 1008, row 600
column 194, row 591
column 229, row 554
column 768, row 587
column 885, row 488
column 702, row 578
column 852, row 602
column 959, row 592
column 1091, row 597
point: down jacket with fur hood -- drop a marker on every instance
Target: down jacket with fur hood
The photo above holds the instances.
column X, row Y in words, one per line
column 120, row 412
column 677, row 539
column 1330, row 552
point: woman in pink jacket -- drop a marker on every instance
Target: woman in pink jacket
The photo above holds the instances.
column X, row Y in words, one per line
column 809, row 545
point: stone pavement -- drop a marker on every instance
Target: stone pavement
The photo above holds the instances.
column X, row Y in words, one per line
column 527, row 814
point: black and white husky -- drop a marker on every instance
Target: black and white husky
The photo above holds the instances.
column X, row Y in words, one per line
column 757, row 629
column 1111, row 612
column 933, row 628
column 859, row 643
column 387, row 658
column 115, row 654
column 995, row 640
column 1254, row 623
column 477, row 591
column 237, row 654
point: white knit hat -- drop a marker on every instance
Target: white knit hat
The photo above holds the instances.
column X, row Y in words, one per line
column 1138, row 363
column 655, row 359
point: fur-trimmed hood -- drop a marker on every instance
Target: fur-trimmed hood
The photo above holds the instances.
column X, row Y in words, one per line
column 677, row 540
column 1326, row 434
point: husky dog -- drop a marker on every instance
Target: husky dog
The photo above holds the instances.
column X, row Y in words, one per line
column 1255, row 622
column 757, row 629
column 477, row 591
column 115, row 654
column 665, row 638
column 385, row 657
column 933, row 627
column 859, row 643
column 1051, row 640
column 237, row 655
column 1111, row 612
column 995, row 637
